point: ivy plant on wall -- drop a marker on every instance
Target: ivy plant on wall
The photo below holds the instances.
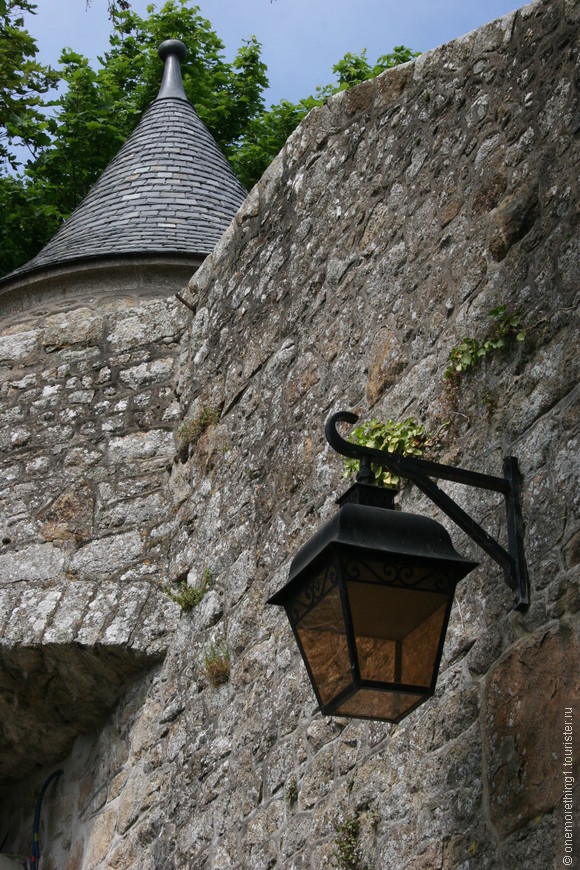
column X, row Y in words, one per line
column 406, row 437
column 467, row 355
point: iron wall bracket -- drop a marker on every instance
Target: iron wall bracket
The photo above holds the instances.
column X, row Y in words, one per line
column 420, row 472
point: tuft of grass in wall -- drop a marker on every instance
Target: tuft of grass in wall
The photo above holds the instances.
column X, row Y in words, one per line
column 347, row 850
column 468, row 354
column 406, row 437
column 193, row 428
column 189, row 597
column 216, row 663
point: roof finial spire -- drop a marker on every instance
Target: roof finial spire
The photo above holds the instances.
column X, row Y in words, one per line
column 172, row 51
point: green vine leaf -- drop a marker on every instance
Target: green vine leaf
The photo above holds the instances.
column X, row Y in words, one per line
column 470, row 350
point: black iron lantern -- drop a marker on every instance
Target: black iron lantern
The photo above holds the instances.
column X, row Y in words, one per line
column 370, row 595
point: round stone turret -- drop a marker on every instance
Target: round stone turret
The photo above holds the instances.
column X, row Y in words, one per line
column 158, row 209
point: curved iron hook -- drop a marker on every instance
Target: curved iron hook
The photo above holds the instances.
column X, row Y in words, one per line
column 345, row 448
column 358, row 451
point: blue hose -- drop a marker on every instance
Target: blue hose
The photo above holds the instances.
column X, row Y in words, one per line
column 35, row 857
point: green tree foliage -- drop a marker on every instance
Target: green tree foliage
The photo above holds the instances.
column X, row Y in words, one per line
column 28, row 219
column 23, row 81
column 98, row 109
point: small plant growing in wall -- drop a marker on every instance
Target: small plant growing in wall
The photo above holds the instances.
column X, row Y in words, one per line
column 347, row 850
column 193, row 428
column 407, row 437
column 189, row 597
column 216, row 663
column 507, row 326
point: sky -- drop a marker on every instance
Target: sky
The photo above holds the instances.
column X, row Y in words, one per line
column 301, row 39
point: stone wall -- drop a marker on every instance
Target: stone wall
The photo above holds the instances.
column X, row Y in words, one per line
column 86, row 432
column 397, row 217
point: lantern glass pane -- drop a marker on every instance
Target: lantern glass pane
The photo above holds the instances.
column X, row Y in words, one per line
column 420, row 648
column 372, row 704
column 322, row 635
column 397, row 632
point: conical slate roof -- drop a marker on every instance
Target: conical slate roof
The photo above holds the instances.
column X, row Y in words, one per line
column 169, row 190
